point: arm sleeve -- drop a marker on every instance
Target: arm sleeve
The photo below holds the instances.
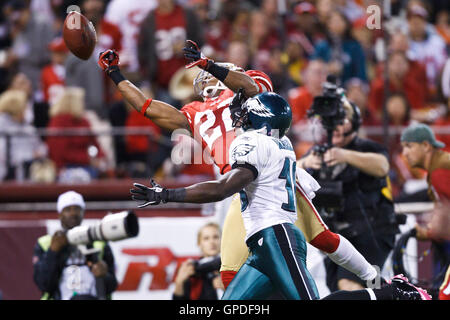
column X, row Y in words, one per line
column 262, row 80
column 244, row 153
column 46, row 269
column 189, row 112
column 372, row 146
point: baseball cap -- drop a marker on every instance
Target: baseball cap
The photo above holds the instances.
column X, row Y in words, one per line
column 58, row 45
column 305, row 7
column 417, row 10
column 70, row 198
column 419, row 133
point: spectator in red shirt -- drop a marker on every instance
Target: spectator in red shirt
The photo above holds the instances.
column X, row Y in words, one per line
column 357, row 91
column 426, row 45
column 53, row 75
column 444, row 122
column 301, row 98
column 398, row 110
column 85, row 74
column 423, row 150
column 262, row 39
column 305, row 27
column 401, row 79
column 109, row 36
column 139, row 146
column 238, row 54
column 161, row 38
column 73, row 151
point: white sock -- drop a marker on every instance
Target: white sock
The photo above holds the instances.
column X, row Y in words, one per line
column 349, row 258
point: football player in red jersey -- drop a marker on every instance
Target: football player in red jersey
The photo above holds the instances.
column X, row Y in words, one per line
column 210, row 123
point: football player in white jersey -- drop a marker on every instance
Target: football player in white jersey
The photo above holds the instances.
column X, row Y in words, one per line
column 263, row 172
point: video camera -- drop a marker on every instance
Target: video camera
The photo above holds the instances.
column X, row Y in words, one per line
column 112, row 227
column 329, row 108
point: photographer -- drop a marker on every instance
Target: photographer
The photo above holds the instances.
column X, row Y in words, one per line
column 200, row 279
column 356, row 200
column 67, row 272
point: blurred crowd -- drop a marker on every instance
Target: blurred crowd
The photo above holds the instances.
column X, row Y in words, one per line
column 394, row 66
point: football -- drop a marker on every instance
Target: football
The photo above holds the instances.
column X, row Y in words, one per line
column 79, row 35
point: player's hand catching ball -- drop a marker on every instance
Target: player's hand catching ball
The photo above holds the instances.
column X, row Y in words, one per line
column 152, row 195
column 195, row 57
column 109, row 61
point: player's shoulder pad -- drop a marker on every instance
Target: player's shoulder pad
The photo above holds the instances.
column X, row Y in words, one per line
column 283, row 143
column 262, row 79
column 193, row 106
column 243, row 144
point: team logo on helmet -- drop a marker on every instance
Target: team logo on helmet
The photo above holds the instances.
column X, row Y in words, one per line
column 255, row 106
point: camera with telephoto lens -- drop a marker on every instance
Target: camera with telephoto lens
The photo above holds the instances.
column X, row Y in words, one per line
column 113, row 227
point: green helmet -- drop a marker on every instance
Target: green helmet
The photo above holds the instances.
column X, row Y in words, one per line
column 266, row 109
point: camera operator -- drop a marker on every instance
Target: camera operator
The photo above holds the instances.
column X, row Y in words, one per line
column 67, row 272
column 200, row 279
column 359, row 167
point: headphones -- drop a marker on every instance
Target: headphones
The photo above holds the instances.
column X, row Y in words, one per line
column 356, row 119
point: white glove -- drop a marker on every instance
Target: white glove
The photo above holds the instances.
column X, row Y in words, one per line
column 307, row 183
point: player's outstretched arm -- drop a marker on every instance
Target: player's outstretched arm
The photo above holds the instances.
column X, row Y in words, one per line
column 203, row 192
column 234, row 80
column 162, row 114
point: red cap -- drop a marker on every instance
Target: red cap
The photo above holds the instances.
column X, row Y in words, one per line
column 58, row 45
column 304, row 7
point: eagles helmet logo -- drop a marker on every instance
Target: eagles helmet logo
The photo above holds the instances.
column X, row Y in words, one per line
column 255, row 106
column 242, row 150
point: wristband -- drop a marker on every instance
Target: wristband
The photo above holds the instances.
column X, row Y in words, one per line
column 217, row 71
column 175, row 195
column 145, row 106
column 115, row 75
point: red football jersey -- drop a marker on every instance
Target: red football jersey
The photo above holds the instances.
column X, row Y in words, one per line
column 52, row 81
column 211, row 123
column 170, row 30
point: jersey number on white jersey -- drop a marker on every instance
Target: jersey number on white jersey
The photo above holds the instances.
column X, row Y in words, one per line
column 288, row 174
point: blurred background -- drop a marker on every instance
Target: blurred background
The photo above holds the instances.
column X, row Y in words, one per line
column 64, row 126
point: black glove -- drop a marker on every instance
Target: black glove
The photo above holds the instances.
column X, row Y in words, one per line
column 195, row 57
column 108, row 60
column 153, row 195
column 236, row 105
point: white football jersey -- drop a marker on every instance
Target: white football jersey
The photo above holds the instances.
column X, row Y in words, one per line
column 270, row 198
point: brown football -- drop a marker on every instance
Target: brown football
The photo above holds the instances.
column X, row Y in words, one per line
column 79, row 35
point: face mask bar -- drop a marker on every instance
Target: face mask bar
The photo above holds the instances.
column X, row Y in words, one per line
column 201, row 82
